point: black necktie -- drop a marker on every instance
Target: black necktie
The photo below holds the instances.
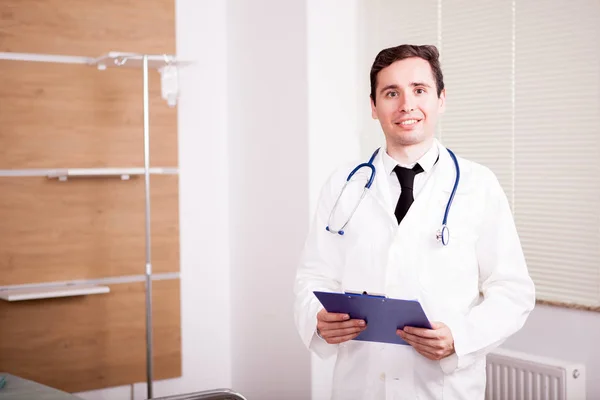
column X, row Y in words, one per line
column 406, row 177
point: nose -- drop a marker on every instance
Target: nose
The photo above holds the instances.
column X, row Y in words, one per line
column 406, row 103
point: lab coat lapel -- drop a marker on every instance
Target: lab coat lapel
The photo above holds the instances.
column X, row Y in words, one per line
column 381, row 188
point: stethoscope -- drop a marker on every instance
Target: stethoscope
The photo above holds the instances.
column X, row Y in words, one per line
column 443, row 234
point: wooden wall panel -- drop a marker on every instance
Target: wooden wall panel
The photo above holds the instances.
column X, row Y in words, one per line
column 87, row 28
column 85, row 228
column 91, row 342
column 75, row 116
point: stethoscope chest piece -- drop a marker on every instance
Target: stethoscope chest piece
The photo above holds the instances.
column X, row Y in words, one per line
column 443, row 235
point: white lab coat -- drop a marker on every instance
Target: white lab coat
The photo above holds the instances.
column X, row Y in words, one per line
column 375, row 254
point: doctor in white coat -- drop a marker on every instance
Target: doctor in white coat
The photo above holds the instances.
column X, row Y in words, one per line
column 475, row 290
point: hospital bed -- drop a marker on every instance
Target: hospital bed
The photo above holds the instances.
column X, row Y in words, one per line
column 218, row 394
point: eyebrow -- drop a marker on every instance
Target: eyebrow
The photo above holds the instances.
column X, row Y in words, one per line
column 413, row 84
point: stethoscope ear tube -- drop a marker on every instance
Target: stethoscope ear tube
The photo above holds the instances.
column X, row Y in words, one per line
column 443, row 234
column 369, row 165
column 363, row 165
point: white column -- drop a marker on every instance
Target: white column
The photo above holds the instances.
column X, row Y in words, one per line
column 336, row 106
column 268, row 163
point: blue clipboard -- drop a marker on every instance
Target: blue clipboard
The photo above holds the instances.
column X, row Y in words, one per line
column 383, row 315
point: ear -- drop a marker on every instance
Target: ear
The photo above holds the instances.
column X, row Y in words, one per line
column 442, row 101
column 373, row 109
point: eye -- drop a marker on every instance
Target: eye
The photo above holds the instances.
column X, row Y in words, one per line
column 391, row 94
column 420, row 91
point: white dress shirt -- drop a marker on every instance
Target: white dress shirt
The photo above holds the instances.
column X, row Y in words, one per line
column 427, row 161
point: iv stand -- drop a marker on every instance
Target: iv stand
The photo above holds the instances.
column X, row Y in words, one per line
column 148, row 242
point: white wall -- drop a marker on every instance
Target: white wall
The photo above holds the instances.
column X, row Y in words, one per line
column 566, row 334
column 204, row 204
column 268, row 163
column 333, row 113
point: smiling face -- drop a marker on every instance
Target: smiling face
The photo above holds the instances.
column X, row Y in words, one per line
column 407, row 104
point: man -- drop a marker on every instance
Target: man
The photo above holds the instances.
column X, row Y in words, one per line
column 475, row 290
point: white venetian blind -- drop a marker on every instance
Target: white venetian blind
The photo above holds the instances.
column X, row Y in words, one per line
column 557, row 123
column 476, row 55
column 397, row 22
column 523, row 82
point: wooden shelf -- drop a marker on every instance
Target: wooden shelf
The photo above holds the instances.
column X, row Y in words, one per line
column 133, row 60
column 111, row 59
column 51, row 292
column 63, row 174
column 123, row 173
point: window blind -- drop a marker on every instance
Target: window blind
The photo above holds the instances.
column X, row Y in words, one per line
column 476, row 59
column 523, row 86
column 557, row 202
column 397, row 22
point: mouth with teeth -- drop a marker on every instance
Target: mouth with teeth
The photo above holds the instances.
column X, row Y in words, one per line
column 406, row 123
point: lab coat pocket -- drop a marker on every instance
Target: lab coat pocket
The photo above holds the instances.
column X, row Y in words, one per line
column 450, row 270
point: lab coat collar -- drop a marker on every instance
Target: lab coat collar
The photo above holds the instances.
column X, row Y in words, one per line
column 445, row 170
column 442, row 179
column 426, row 161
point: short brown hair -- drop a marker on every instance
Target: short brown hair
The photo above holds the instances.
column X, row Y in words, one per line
column 387, row 57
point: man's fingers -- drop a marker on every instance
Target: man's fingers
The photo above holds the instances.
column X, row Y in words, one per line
column 342, row 332
column 423, row 332
column 323, row 315
column 341, row 339
column 426, row 351
column 332, row 326
column 432, row 343
column 337, row 327
column 421, row 348
column 439, row 329
column 431, row 349
column 324, row 325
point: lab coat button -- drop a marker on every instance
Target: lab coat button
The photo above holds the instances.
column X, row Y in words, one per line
column 382, row 376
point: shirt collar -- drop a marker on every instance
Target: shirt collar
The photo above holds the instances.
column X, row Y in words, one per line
column 426, row 161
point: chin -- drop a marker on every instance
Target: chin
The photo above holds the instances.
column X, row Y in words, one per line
column 410, row 138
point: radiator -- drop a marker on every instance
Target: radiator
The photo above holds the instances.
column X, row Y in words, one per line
column 513, row 375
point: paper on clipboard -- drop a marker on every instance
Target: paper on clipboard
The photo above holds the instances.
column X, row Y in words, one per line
column 383, row 315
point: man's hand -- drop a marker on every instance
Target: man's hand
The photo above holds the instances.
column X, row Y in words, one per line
column 434, row 344
column 338, row 328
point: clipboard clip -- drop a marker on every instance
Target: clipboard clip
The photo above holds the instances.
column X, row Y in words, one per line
column 364, row 293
